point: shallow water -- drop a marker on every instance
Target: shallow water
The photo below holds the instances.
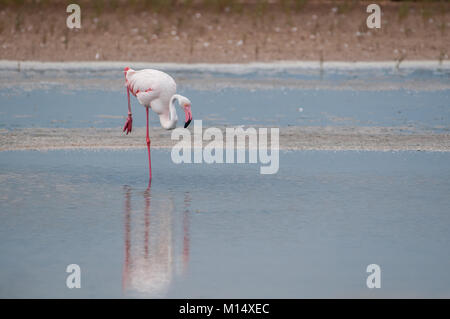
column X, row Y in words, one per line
column 417, row 99
column 231, row 106
column 224, row 230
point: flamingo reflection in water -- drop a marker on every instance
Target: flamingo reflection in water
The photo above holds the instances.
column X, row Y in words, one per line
column 156, row 244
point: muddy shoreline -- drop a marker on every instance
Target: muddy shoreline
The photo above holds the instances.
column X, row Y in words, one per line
column 242, row 32
column 331, row 138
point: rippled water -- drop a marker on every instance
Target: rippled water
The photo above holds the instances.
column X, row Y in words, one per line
column 224, row 230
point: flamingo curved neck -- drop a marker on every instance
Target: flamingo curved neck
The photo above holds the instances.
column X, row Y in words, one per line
column 170, row 121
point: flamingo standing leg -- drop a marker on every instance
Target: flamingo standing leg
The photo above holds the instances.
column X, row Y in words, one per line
column 148, row 148
column 153, row 87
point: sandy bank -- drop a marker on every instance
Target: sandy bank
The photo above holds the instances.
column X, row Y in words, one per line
column 330, row 138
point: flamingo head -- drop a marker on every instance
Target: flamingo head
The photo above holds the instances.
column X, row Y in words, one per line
column 186, row 105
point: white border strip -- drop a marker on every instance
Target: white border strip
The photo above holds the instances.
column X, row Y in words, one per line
column 221, row 67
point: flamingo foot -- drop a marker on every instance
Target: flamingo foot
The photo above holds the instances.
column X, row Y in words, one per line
column 128, row 124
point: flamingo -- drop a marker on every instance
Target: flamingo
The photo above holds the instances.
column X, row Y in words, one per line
column 156, row 90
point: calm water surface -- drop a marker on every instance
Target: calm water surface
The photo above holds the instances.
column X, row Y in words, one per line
column 274, row 107
column 374, row 97
column 224, row 230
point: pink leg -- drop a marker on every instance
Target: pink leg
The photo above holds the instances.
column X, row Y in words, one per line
column 148, row 147
column 129, row 104
column 129, row 123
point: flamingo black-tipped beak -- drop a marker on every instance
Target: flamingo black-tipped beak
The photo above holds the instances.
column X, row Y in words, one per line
column 188, row 118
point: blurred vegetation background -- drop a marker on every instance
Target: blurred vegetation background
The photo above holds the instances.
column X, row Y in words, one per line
column 224, row 30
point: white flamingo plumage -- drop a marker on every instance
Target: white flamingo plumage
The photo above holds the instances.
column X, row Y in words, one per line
column 156, row 90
